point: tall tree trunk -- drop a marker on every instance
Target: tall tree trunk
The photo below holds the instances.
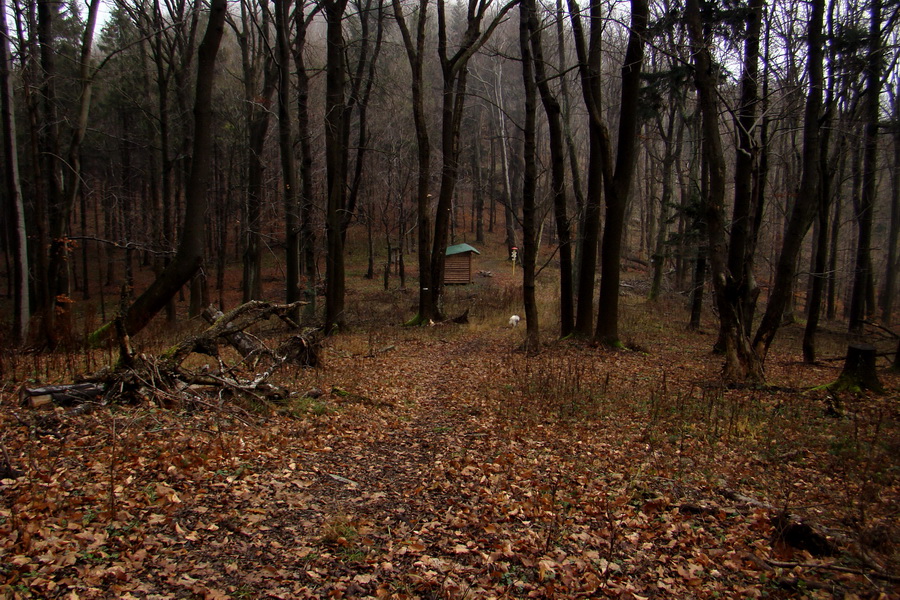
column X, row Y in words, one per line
column 699, row 186
column 741, row 363
column 478, row 184
column 889, row 291
column 820, row 254
column 558, row 177
column 866, row 207
column 453, row 100
column 618, row 183
column 590, row 59
column 672, row 139
column 335, row 165
column 257, row 114
column 741, row 250
column 307, row 226
column 56, row 277
column 291, row 187
column 361, row 90
column 833, row 249
column 807, row 201
column 415, row 48
column 760, row 178
column 163, row 81
column 14, row 211
column 818, row 275
column 500, row 119
column 454, row 72
column 527, row 28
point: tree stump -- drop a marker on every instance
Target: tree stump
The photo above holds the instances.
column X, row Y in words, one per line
column 859, row 370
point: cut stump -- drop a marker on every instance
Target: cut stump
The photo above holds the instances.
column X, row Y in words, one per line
column 859, row 370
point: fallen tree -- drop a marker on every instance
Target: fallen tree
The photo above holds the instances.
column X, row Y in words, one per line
column 167, row 380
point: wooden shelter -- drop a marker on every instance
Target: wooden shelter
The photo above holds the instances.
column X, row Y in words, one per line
column 458, row 264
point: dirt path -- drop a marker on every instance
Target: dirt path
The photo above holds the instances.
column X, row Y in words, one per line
column 390, row 475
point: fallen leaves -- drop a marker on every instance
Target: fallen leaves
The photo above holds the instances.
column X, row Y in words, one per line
column 513, row 481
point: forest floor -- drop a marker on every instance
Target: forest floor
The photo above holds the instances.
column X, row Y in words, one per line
column 440, row 462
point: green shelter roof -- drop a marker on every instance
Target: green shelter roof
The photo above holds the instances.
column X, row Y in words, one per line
column 460, row 249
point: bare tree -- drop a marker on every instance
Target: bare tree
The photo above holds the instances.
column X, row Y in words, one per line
column 807, row 201
column 189, row 255
column 865, row 208
column 889, row 291
column 613, row 175
column 291, row 187
column 335, row 164
column 415, row 50
column 556, row 136
column 527, row 27
column 617, row 179
column 14, row 208
column 741, row 362
column 742, row 246
column 256, row 60
column 454, row 72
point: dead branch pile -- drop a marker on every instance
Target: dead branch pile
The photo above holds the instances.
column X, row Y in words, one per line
column 167, row 381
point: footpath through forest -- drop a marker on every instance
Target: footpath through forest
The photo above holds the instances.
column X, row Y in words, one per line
column 440, row 463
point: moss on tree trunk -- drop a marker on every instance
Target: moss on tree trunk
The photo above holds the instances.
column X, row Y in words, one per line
column 859, row 370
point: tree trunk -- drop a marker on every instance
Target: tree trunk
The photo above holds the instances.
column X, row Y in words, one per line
column 56, row 277
column 618, row 183
column 415, row 48
column 307, row 226
column 740, row 249
column 454, row 71
column 590, row 59
column 859, row 370
column 698, row 229
column 671, row 157
column 558, row 178
column 189, row 256
column 889, row 291
column 500, row 118
column 361, row 91
column 527, row 28
column 290, row 185
column 257, row 114
column 741, row 363
column 335, row 166
column 866, row 207
column 833, row 248
column 15, row 209
column 807, row 201
column 814, row 302
column 478, row 185
column 818, row 275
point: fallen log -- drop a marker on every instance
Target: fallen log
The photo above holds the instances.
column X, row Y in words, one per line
column 234, row 321
column 166, row 380
column 242, row 342
column 62, row 395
